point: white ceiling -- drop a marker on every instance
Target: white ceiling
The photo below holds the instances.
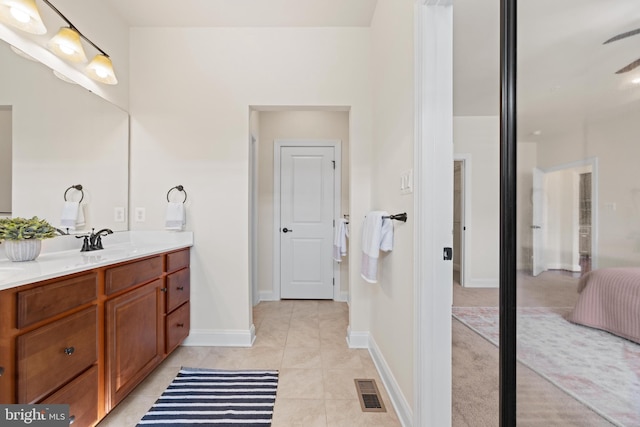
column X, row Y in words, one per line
column 565, row 73
column 246, row 13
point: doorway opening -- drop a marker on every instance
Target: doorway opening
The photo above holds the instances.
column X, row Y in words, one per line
column 461, row 209
column 306, row 126
column 564, row 228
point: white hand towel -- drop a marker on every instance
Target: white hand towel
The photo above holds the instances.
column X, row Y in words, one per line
column 176, row 218
column 377, row 235
column 80, row 219
column 340, row 240
column 69, row 216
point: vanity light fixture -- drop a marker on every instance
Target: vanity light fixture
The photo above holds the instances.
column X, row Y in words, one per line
column 66, row 44
column 101, row 69
column 22, row 14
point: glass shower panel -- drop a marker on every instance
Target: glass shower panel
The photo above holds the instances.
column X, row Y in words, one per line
column 578, row 324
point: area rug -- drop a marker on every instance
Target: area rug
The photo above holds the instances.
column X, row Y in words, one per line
column 597, row 368
column 208, row 397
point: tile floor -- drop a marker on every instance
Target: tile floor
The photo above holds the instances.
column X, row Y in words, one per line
column 305, row 341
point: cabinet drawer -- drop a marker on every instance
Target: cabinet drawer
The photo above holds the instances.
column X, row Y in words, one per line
column 81, row 395
column 178, row 289
column 125, row 276
column 177, row 260
column 177, row 327
column 46, row 301
column 50, row 356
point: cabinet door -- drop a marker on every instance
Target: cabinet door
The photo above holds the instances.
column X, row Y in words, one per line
column 134, row 339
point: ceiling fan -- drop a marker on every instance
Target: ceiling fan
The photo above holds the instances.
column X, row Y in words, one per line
column 621, row 36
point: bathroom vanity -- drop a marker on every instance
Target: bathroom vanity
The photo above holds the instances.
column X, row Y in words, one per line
column 89, row 333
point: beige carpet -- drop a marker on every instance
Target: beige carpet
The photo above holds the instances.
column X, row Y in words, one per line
column 475, row 364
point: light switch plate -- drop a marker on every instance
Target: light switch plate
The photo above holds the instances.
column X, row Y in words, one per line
column 406, row 182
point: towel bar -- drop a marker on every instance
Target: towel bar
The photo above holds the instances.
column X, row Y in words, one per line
column 398, row 217
column 76, row 187
column 179, row 188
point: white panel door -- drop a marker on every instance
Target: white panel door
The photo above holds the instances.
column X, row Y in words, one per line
column 306, row 222
column 537, row 228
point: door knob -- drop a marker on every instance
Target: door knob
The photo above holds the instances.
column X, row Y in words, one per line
column 287, row 230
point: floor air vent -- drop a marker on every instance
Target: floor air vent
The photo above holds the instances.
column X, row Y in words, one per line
column 370, row 399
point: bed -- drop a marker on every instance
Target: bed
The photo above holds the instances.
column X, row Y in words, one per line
column 610, row 300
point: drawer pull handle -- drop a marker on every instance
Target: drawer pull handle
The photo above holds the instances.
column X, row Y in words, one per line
column 163, row 289
column 72, row 418
column 1, row 371
column 69, row 351
column 180, row 325
column 180, row 288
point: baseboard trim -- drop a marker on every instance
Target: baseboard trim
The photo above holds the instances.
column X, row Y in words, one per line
column 357, row 339
column 268, row 296
column 217, row 338
column 482, row 283
column 566, row 267
column 343, row 297
column 400, row 404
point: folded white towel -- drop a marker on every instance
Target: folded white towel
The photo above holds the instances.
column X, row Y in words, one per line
column 72, row 216
column 340, row 240
column 176, row 218
column 377, row 235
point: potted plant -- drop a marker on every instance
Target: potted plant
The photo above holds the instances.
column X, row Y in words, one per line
column 22, row 237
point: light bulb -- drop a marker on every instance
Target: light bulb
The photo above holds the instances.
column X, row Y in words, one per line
column 20, row 15
column 67, row 49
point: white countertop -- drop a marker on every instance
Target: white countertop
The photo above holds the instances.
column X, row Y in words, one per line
column 61, row 255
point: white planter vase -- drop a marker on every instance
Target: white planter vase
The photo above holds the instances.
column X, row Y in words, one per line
column 22, row 250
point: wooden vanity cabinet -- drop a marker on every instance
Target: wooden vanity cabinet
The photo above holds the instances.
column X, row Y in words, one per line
column 88, row 339
column 178, row 291
column 134, row 338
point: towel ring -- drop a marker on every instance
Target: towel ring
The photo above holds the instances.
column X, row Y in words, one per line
column 179, row 188
column 75, row 187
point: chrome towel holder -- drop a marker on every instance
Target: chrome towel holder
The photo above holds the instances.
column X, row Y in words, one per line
column 179, row 188
column 75, row 187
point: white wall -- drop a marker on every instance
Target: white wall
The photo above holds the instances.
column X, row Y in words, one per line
column 480, row 138
column 190, row 125
column 613, row 140
column 392, row 298
column 294, row 124
column 5, row 159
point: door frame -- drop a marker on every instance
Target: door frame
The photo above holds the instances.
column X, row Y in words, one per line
column 337, row 199
column 465, row 212
column 433, row 210
column 593, row 163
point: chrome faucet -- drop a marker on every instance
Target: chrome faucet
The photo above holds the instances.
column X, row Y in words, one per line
column 93, row 241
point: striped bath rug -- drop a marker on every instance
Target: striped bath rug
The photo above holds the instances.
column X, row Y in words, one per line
column 211, row 397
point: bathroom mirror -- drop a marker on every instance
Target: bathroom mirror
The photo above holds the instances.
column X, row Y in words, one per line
column 62, row 135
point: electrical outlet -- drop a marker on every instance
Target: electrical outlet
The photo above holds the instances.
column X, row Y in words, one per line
column 118, row 214
column 141, row 214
